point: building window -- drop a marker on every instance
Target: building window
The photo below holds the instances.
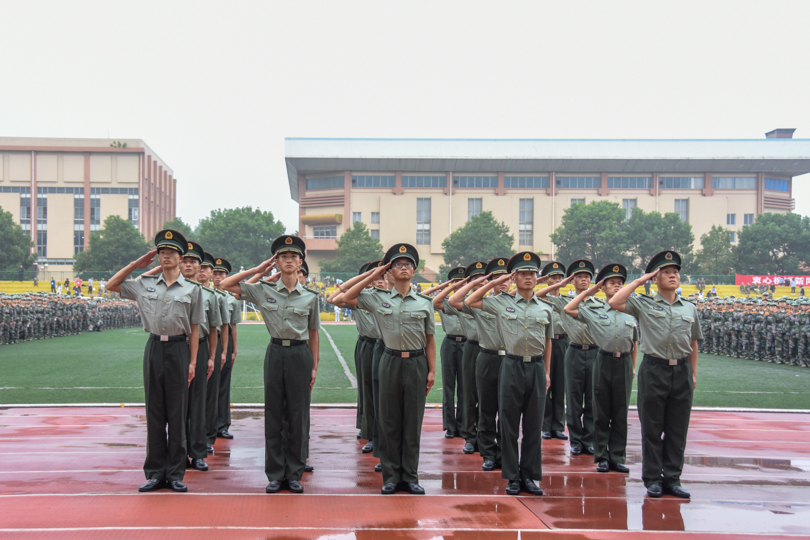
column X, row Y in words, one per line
column 375, row 217
column 734, row 182
column 423, row 221
column 329, row 231
column 365, row 181
column 42, row 225
column 577, row 201
column 42, row 210
column 133, row 210
column 331, row 182
column 42, row 243
column 579, row 182
column 682, row 209
column 475, row 182
column 748, row 219
column 356, row 216
column 682, row 182
column 473, row 208
column 525, row 182
column 16, row 189
column 732, row 237
column 731, row 219
column 375, row 234
column 526, row 223
column 95, row 212
column 78, row 241
column 424, row 181
column 629, row 182
column 775, row 184
column 102, row 191
column 628, row 205
column 25, row 211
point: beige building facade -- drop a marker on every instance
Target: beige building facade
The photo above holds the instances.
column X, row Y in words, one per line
column 60, row 190
column 419, row 191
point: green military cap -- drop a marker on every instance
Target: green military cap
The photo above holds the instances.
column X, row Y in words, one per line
column 478, row 268
column 305, row 268
column 553, row 268
column 664, row 258
column 168, row 238
column 612, row 270
column 363, row 269
column 523, row 261
column 725, row 298
column 580, row 265
column 208, row 260
column 456, row 273
column 222, row 265
column 288, row 242
column 496, row 266
column 368, row 266
column 399, row 251
column 195, row 250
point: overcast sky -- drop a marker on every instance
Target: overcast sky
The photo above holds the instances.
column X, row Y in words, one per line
column 215, row 87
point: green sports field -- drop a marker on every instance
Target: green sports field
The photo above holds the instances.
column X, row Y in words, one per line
column 107, row 368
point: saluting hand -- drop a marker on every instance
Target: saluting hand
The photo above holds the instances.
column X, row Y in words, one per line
column 145, row 260
column 595, row 289
column 649, row 276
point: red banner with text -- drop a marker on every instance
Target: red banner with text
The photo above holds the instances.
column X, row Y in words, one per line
column 779, row 281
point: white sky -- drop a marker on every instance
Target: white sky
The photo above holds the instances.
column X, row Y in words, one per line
column 214, row 87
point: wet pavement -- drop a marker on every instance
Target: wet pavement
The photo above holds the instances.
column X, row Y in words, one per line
column 74, row 472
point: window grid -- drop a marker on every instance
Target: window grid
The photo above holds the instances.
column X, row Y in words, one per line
column 628, row 205
column 473, row 208
column 577, row 201
column 25, row 211
column 373, row 181
column 526, row 223
column 732, row 237
column 731, row 219
column 682, row 209
column 15, row 189
column 424, row 181
column 42, row 243
column 329, row 231
column 629, row 182
column 375, row 217
column 525, row 182
column 357, row 216
column 133, row 210
column 748, row 219
column 682, row 182
column 95, row 212
column 579, row 182
column 375, row 234
column 78, row 241
column 776, row 184
column 422, row 221
column 734, row 182
column 481, row 182
column 331, row 182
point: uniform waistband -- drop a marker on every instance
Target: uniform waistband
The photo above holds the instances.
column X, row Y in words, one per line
column 560, row 336
column 614, row 354
column 287, row 342
column 496, row 353
column 582, row 347
column 460, row 339
column 526, row 359
column 405, row 354
column 157, row 337
column 664, row 361
column 474, row 342
column 367, row 339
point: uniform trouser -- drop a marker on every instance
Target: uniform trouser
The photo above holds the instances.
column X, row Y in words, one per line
column 469, row 416
column 379, row 347
column 358, row 421
column 212, row 396
column 365, row 387
column 403, row 389
column 522, row 393
column 451, row 353
column 612, row 385
column 165, row 383
column 224, row 399
column 287, row 375
column 554, row 416
column 664, row 407
column 579, row 395
column 196, row 435
column 487, row 374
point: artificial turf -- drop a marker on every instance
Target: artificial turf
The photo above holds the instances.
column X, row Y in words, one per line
column 106, row 367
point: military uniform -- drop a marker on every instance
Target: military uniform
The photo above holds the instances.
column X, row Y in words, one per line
column 554, row 415
column 212, row 384
column 368, row 334
column 452, row 354
column 224, row 399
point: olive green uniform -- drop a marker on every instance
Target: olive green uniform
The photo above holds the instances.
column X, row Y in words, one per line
column 452, row 353
column 554, row 415
column 212, row 386
column 224, row 399
column 368, row 334
column 469, row 391
column 665, row 384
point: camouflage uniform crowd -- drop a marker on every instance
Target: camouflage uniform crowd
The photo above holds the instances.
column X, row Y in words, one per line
column 764, row 329
column 25, row 317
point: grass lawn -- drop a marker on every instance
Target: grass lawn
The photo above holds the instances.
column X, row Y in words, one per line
column 107, row 368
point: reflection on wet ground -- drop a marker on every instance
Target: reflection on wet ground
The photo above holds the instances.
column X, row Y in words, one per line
column 748, row 473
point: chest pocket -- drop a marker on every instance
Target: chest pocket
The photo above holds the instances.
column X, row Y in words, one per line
column 148, row 303
column 385, row 317
column 537, row 327
column 180, row 306
column 298, row 318
column 415, row 320
column 269, row 310
column 683, row 323
column 510, row 322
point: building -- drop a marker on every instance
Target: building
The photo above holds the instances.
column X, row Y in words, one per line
column 78, row 183
column 420, row 190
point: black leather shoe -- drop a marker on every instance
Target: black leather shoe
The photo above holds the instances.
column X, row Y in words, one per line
column 210, row 450
column 655, row 490
column 308, row 468
column 199, row 464
column 576, row 450
column 358, row 434
column 546, row 435
column 588, row 450
column 513, row 487
column 449, row 435
column 458, row 434
column 678, row 491
column 378, row 467
column 178, row 486
column 559, row 435
column 224, row 435
column 602, row 466
column 528, row 485
column 295, row 486
column 389, row 489
column 273, row 487
column 619, row 467
column 368, row 448
column 153, row 484
column 488, row 465
column 468, row 448
column 413, row 488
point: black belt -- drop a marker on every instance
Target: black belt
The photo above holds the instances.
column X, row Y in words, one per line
column 367, row 339
column 203, row 339
column 527, row 359
column 460, row 339
column 496, row 353
column 405, row 354
column 664, row 361
column 156, row 337
column 474, row 342
column 560, row 336
column 287, row 342
column 614, row 354
column 582, row 347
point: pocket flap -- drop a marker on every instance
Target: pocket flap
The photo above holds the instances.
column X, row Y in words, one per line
column 384, row 311
column 418, row 315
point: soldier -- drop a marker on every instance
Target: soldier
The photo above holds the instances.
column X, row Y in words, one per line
column 554, row 415
column 222, row 267
column 452, row 355
column 172, row 308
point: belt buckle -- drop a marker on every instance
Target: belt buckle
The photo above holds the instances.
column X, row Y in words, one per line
column 501, row 353
column 458, row 339
column 164, row 338
column 673, row 362
column 405, row 354
column 527, row 358
column 285, row 342
column 617, row 355
column 586, row 347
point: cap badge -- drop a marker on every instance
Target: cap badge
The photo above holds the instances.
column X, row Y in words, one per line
column 556, row 265
column 615, row 268
column 403, row 249
column 582, row 265
column 288, row 241
column 478, row 265
column 190, row 246
column 668, row 256
column 500, row 262
column 168, row 235
column 527, row 257
column 219, row 261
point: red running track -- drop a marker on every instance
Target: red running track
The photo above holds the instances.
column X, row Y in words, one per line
column 74, row 472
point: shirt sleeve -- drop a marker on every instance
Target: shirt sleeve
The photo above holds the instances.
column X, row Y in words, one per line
column 550, row 327
column 448, row 309
column 314, row 314
column 634, row 306
column 130, row 288
column 223, row 309
column 586, row 314
column 697, row 331
column 559, row 302
column 214, row 316
column 369, row 300
column 197, row 307
column 251, row 291
column 467, row 310
column 490, row 304
column 430, row 322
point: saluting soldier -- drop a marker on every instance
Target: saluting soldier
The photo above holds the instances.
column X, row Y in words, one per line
column 292, row 318
column 171, row 310
column 205, row 277
column 222, row 268
column 527, row 327
column 614, row 368
column 554, row 415
column 407, row 366
column 668, row 373
column 452, row 356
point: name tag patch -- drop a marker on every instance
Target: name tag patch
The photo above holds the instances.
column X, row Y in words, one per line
column 603, row 316
column 150, row 289
column 510, row 309
column 658, row 308
column 271, row 300
column 386, row 305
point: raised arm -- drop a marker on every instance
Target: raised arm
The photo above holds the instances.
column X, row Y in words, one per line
column 619, row 299
column 572, row 309
column 446, row 287
column 231, row 283
column 476, row 299
column 345, row 286
column 542, row 293
column 350, row 296
column 114, row 284
column 438, row 287
column 257, row 277
column 457, row 300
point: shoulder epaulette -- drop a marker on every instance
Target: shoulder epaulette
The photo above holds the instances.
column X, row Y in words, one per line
column 424, row 296
column 145, row 276
column 209, row 289
column 381, row 290
column 545, row 301
column 687, row 299
column 313, row 291
column 646, row 296
column 219, row 291
column 197, row 283
column 272, row 284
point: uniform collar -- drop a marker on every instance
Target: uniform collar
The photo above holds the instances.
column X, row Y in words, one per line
column 395, row 293
column 659, row 298
column 519, row 298
column 180, row 279
column 298, row 287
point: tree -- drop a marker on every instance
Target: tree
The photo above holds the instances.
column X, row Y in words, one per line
column 116, row 245
column 241, row 235
column 177, row 224
column 651, row 232
column 596, row 231
column 775, row 244
column 481, row 239
column 15, row 244
column 354, row 248
column 715, row 256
